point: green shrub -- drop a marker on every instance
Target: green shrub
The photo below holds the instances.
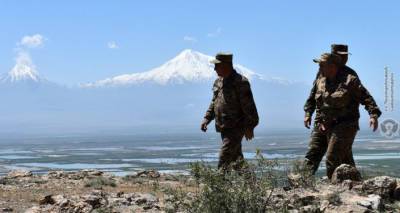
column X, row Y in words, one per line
column 99, row 182
column 248, row 189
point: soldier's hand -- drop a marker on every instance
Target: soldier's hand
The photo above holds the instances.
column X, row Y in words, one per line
column 203, row 126
column 373, row 123
column 322, row 128
column 249, row 134
column 307, row 122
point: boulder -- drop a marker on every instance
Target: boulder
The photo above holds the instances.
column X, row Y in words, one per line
column 345, row 172
column 373, row 202
column 47, row 199
column 95, row 199
column 381, row 185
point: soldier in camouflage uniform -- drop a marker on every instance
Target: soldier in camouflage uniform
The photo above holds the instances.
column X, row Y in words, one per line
column 309, row 107
column 233, row 108
column 337, row 96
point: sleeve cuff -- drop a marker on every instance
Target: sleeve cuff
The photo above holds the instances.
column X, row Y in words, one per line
column 374, row 116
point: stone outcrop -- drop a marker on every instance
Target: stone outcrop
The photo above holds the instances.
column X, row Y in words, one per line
column 345, row 172
column 62, row 191
column 381, row 185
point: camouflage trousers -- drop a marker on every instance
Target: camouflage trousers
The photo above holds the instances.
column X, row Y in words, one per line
column 231, row 149
column 336, row 143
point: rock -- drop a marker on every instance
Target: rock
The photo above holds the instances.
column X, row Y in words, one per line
column 333, row 198
column 348, row 184
column 85, row 173
column 61, row 201
column 169, row 207
column 303, row 200
column 3, row 181
column 396, row 193
column 373, row 202
column 130, row 197
column 148, row 174
column 324, row 179
column 294, row 180
column 324, row 205
column 118, row 201
column 148, row 201
column 120, row 194
column 19, row 174
column 146, row 198
column 35, row 209
column 95, row 198
column 382, row 185
column 357, row 188
column 57, row 174
column 345, row 172
column 309, row 209
column 7, row 209
column 82, row 207
column 48, row 199
column 91, row 172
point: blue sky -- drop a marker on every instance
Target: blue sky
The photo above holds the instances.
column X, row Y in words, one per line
column 276, row 38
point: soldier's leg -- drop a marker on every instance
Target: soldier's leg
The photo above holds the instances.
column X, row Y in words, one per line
column 316, row 149
column 231, row 149
column 340, row 141
column 348, row 158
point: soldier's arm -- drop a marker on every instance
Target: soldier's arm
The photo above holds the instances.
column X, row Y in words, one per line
column 210, row 114
column 365, row 98
column 248, row 105
column 309, row 106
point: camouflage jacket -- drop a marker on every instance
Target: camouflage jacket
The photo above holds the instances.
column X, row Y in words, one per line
column 339, row 100
column 309, row 106
column 232, row 104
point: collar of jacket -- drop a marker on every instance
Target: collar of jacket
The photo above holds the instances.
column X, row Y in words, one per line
column 230, row 77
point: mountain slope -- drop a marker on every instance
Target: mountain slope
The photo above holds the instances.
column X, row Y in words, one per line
column 188, row 66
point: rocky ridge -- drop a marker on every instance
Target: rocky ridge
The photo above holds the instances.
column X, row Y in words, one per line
column 147, row 191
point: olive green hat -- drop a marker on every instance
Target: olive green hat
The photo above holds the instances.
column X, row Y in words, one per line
column 222, row 58
column 340, row 49
column 328, row 58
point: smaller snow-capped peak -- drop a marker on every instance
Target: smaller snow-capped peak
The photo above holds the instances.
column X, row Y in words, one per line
column 187, row 66
column 23, row 70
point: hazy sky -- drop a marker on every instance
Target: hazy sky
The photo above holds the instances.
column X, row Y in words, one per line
column 90, row 40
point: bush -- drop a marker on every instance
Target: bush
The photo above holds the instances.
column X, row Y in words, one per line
column 99, row 182
column 248, row 189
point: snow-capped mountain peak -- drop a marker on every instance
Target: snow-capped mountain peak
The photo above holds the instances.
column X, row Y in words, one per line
column 23, row 70
column 187, row 66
